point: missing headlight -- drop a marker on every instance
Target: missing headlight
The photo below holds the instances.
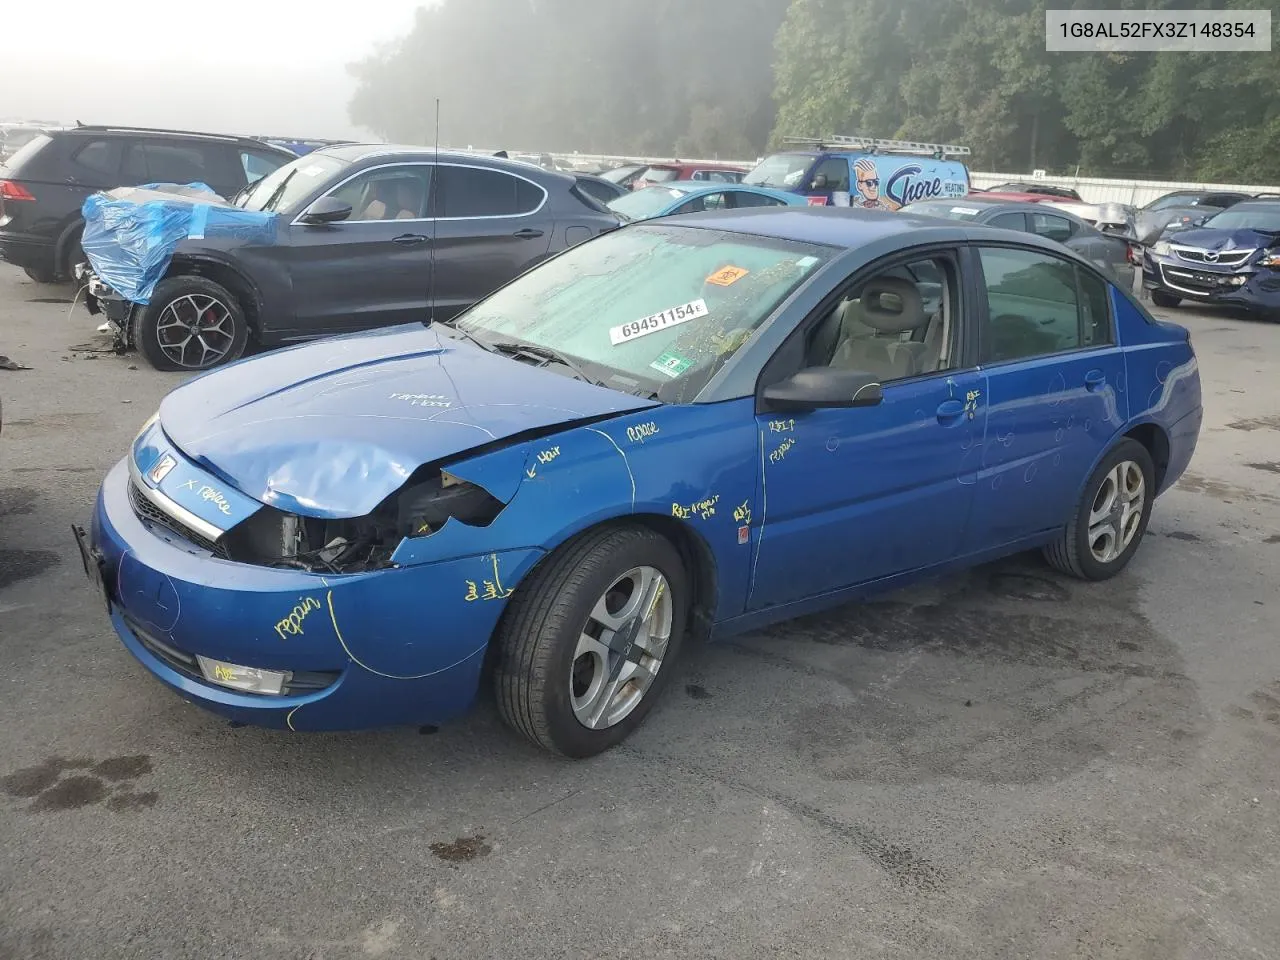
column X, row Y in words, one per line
column 273, row 538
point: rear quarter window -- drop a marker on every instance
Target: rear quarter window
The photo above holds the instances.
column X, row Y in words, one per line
column 99, row 158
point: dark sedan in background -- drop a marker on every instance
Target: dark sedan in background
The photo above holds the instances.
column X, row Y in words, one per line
column 1113, row 255
column 366, row 236
column 1232, row 259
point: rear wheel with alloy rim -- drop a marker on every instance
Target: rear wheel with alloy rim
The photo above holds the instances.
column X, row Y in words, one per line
column 191, row 323
column 1111, row 518
column 587, row 643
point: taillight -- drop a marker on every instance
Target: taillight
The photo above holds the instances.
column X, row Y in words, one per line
column 1135, row 254
column 14, row 191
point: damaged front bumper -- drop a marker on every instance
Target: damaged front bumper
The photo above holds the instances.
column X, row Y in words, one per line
column 1246, row 286
column 101, row 299
column 402, row 645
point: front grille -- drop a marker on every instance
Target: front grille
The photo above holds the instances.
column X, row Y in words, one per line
column 1195, row 281
column 302, row 682
column 148, row 512
column 1224, row 258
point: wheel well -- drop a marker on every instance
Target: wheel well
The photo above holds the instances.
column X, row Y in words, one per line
column 233, row 280
column 1157, row 443
column 699, row 563
column 694, row 552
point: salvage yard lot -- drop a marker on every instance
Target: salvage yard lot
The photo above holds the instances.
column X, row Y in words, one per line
column 1003, row 763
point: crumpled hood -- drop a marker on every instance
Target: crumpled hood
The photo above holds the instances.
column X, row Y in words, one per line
column 1209, row 239
column 331, row 429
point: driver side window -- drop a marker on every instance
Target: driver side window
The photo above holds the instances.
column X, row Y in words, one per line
column 388, row 193
column 835, row 171
column 896, row 324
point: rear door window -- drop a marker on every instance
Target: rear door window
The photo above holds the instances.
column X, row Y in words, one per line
column 168, row 163
column 1009, row 221
column 464, row 192
column 739, row 199
column 1051, row 227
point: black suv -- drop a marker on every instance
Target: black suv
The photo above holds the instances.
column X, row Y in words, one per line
column 44, row 184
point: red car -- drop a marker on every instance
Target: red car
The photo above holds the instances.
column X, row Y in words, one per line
column 1012, row 197
column 679, row 170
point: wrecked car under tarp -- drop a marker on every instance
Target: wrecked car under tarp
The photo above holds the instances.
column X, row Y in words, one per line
column 130, row 233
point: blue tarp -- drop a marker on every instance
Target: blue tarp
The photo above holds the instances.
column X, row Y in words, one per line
column 130, row 233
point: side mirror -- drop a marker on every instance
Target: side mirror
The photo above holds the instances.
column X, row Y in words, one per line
column 326, row 210
column 824, row 387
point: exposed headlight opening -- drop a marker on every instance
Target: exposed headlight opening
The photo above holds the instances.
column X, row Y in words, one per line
column 425, row 504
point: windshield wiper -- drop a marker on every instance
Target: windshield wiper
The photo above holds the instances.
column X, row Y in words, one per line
column 453, row 325
column 515, row 349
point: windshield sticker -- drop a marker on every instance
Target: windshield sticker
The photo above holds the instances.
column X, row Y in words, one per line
column 966, row 211
column 727, row 276
column 671, row 364
column 312, row 171
column 804, row 263
column 658, row 321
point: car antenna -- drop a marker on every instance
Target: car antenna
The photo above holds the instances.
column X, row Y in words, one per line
column 435, row 222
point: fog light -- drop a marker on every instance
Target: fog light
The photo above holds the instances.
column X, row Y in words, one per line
column 248, row 679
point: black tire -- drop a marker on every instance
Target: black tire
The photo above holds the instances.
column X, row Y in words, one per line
column 1162, row 299
column 538, row 636
column 146, row 332
column 1072, row 552
column 41, row 274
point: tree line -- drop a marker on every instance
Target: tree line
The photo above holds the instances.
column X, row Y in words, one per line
column 731, row 78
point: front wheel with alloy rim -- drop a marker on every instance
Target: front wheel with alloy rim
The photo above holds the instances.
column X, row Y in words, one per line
column 191, row 323
column 587, row 642
column 1108, row 524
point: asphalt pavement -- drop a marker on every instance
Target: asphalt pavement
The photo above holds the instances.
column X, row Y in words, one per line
column 1001, row 764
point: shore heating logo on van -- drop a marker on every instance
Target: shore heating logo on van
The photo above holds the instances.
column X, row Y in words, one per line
column 909, row 183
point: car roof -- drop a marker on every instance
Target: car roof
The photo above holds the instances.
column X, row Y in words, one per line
column 848, row 227
column 1256, row 203
column 359, row 152
column 108, row 130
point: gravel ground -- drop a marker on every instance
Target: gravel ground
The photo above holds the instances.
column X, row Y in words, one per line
column 1001, row 764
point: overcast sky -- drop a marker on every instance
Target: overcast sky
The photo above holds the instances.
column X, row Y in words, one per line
column 269, row 67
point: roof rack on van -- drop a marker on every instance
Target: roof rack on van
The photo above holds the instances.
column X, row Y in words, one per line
column 875, row 145
column 112, row 128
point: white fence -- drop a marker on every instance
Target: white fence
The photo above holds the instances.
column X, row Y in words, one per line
column 1091, row 189
column 1133, row 192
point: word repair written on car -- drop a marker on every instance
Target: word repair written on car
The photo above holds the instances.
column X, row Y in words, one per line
column 658, row 321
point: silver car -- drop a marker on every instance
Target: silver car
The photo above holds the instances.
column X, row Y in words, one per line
column 1114, row 253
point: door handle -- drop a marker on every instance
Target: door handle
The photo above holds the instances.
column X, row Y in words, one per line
column 1095, row 379
column 950, row 410
column 406, row 239
column 528, row 233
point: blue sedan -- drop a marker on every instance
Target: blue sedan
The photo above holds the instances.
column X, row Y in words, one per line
column 679, row 429
column 690, row 196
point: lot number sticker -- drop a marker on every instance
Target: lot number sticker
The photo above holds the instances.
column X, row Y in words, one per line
column 658, row 321
column 727, row 276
